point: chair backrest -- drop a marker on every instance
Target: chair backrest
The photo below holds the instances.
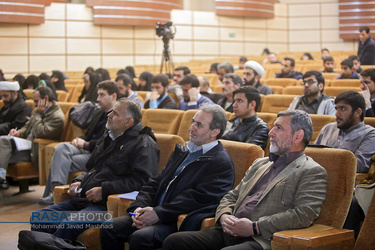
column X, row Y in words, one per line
column 62, row 96
column 370, row 121
column 276, row 103
column 330, row 76
column 174, row 97
column 318, row 122
column 312, row 66
column 1, row 103
column 163, row 121
column 185, row 124
column 217, row 88
column 66, row 106
column 341, row 166
column 281, row 82
column 212, row 78
column 334, row 91
column 143, row 94
column 277, row 89
column 242, row 155
column 166, row 144
column 293, row 90
column 76, row 93
column 29, row 93
column 366, row 239
column 31, row 103
column 346, row 83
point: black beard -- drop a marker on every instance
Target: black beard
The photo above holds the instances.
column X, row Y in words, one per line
column 250, row 83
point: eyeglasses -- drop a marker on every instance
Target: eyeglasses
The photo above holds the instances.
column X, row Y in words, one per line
column 309, row 82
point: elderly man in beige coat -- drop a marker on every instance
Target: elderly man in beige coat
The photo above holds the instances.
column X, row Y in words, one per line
column 283, row 191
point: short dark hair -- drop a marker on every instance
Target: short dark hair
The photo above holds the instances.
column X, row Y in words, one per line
column 291, row 60
column 125, row 78
column 214, row 67
column 324, row 49
column 366, row 28
column 184, row 68
column 369, row 73
column 235, row 78
column 251, row 93
column 319, row 77
column 300, row 119
column 353, row 57
column 243, row 59
column 46, row 91
column 162, row 78
column 328, row 59
column 110, row 86
column 190, row 79
column 347, row 62
column 133, row 108
column 354, row 99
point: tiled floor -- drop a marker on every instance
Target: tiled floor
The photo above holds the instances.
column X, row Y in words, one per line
column 16, row 209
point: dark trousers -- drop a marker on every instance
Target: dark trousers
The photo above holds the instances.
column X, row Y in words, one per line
column 146, row 238
column 210, row 238
column 68, row 231
column 355, row 217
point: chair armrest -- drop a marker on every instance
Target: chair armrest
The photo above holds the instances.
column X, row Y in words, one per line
column 60, row 193
column 315, row 237
column 118, row 205
column 44, row 141
column 208, row 222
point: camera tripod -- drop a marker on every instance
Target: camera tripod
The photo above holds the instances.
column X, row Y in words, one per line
column 166, row 60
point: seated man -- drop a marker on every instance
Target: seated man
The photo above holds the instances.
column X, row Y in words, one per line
column 72, row 157
column 368, row 90
column 174, row 86
column 231, row 82
column 349, row 131
column 125, row 87
column 325, row 53
column 223, row 69
column 247, row 127
column 252, row 73
column 356, row 63
column 195, row 179
column 190, row 92
column 287, row 69
column 205, row 90
column 159, row 97
column 348, row 71
column 122, row 161
column 47, row 122
column 15, row 110
column 329, row 65
column 313, row 101
column 283, row 191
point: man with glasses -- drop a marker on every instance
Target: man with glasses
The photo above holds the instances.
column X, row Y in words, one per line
column 252, row 73
column 313, row 101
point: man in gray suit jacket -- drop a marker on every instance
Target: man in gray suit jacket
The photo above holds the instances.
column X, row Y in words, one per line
column 283, row 191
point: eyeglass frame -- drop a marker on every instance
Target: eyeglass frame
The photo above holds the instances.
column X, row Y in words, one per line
column 309, row 82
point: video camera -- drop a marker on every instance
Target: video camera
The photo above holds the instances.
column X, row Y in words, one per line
column 164, row 30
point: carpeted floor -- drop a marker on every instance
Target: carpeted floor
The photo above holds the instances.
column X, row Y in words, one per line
column 13, row 211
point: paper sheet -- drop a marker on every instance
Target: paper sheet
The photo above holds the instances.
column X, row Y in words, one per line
column 21, row 144
column 129, row 196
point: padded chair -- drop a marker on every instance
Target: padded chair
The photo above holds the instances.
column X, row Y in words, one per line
column 163, row 121
column 268, row 118
column 73, row 81
column 118, row 206
column 76, row 92
column 62, row 96
column 278, row 90
column 29, row 93
column 346, row 83
column 1, row 103
column 293, row 90
column 318, row 122
column 143, row 94
column 334, row 91
column 330, row 76
column 312, row 66
column 174, row 97
column 366, row 239
column 217, row 88
column 325, row 233
column 370, row 121
column 281, row 82
column 276, row 103
column 212, row 78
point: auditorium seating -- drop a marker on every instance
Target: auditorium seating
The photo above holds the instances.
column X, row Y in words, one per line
column 334, row 91
column 277, row 89
column 330, row 76
column 62, row 96
column 165, row 121
column 281, row 82
column 276, row 103
column 293, row 90
column 340, row 165
column 346, row 83
column 319, row 121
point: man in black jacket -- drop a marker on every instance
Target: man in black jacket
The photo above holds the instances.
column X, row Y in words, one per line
column 124, row 158
column 193, row 182
column 72, row 157
column 159, row 98
column 15, row 110
column 247, row 127
column 366, row 46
